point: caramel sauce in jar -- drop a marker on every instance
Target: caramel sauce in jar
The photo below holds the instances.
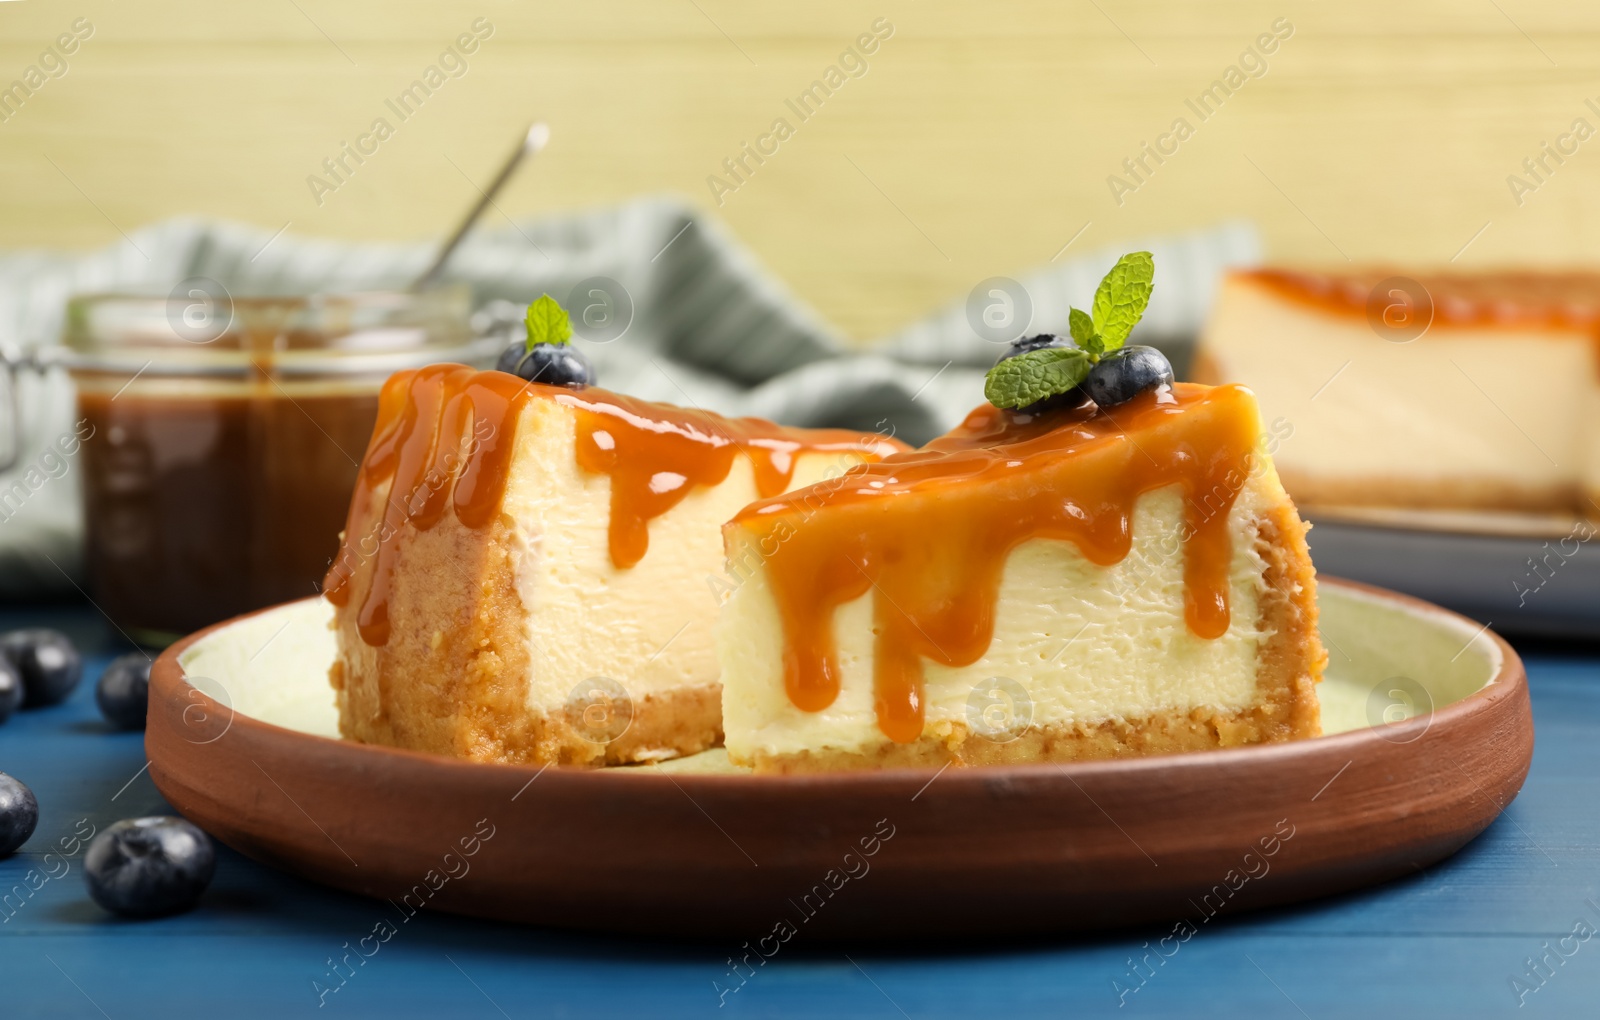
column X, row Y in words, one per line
column 218, row 469
column 202, row 506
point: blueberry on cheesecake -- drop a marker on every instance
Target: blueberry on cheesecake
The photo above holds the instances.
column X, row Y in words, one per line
column 1047, row 372
column 547, row 355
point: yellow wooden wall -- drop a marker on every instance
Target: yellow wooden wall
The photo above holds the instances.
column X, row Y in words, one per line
column 978, row 142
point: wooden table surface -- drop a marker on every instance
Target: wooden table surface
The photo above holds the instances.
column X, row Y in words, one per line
column 1444, row 943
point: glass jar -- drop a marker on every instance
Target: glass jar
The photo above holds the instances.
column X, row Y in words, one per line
column 224, row 435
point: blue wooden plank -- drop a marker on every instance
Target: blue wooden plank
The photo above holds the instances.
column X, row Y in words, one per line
column 1446, row 942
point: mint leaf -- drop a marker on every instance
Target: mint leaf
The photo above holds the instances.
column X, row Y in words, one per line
column 548, row 322
column 1026, row 378
column 1080, row 325
column 1082, row 328
column 1120, row 302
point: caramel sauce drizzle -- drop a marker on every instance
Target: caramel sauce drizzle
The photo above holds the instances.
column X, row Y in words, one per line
column 1568, row 300
column 929, row 532
column 657, row 454
column 444, row 441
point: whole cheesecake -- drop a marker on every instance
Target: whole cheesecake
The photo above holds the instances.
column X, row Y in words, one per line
column 1444, row 391
column 1078, row 584
column 531, row 573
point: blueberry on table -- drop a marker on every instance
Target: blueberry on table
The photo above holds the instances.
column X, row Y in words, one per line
column 147, row 867
column 124, row 691
column 49, row 664
column 19, row 813
column 552, row 364
column 10, row 689
column 1127, row 372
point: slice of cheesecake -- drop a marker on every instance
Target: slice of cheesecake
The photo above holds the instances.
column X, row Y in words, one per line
column 1435, row 391
column 1077, row 584
column 531, row 573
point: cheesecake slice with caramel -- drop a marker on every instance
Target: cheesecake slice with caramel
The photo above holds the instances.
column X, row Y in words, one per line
column 1080, row 584
column 1098, row 563
column 1473, row 391
column 530, row 573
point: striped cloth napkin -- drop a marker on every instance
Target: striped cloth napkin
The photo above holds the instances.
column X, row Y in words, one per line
column 710, row 327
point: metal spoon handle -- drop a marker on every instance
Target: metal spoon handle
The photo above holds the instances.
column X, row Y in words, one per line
column 538, row 135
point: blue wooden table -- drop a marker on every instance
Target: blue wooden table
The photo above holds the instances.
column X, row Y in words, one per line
column 1463, row 939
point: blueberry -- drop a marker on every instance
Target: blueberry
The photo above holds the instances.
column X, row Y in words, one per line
column 1036, row 342
column 554, row 364
column 19, row 813
column 10, row 689
column 50, row 666
column 124, row 691
column 146, row 867
column 1074, row 397
column 1127, row 372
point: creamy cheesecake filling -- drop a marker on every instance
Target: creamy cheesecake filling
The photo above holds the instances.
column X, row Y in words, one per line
column 1496, row 404
column 648, row 626
column 1087, row 643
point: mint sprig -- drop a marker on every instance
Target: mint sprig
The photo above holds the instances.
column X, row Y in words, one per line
column 1031, row 377
column 1119, row 304
column 548, row 322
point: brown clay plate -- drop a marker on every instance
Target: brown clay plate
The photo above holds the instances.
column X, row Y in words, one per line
column 1429, row 738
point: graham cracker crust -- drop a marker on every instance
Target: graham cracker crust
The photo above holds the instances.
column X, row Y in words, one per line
column 1290, row 667
column 453, row 677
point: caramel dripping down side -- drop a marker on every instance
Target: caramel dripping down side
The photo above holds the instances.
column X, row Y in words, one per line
column 656, row 455
column 444, row 440
column 929, row 532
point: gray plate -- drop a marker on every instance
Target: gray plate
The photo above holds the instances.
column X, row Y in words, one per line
column 1521, row 574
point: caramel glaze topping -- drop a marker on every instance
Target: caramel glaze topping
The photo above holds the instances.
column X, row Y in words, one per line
column 1569, row 300
column 444, row 441
column 655, row 454
column 929, row 532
